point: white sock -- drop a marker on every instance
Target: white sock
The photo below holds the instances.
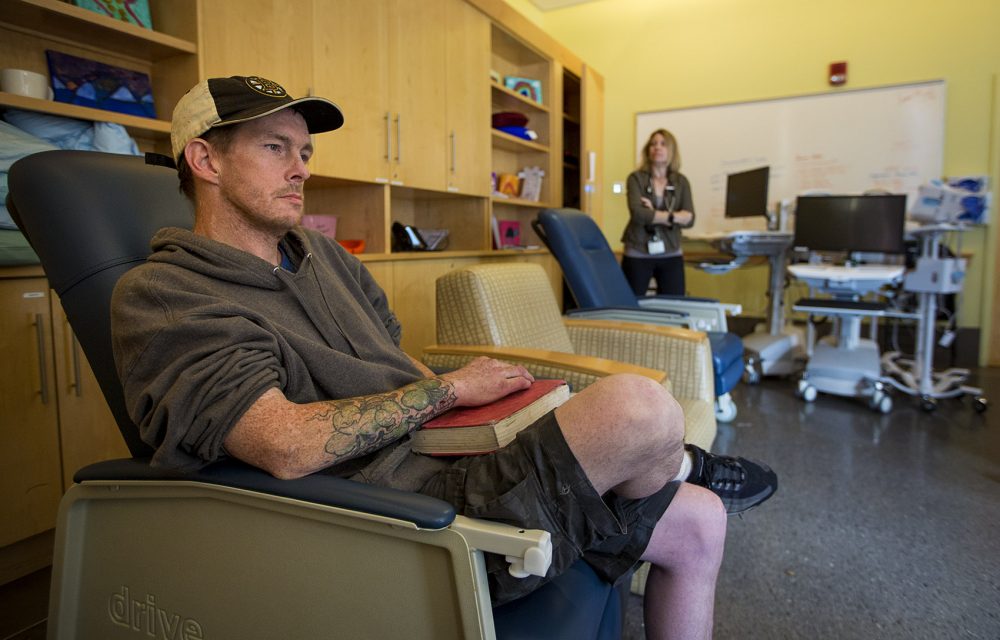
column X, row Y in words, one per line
column 686, row 464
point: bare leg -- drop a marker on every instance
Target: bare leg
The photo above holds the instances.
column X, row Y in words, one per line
column 627, row 433
column 685, row 553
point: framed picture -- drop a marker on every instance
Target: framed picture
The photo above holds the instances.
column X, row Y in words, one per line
column 510, row 233
column 527, row 87
column 508, row 184
column 131, row 11
column 89, row 83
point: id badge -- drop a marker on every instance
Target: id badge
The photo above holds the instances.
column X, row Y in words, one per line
column 656, row 247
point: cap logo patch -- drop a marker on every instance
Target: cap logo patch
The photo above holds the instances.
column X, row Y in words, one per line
column 266, row 87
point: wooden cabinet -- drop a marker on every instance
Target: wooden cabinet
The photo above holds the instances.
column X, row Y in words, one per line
column 54, row 420
column 30, row 474
column 267, row 38
column 351, row 67
column 383, row 63
column 88, row 432
column 467, row 99
column 167, row 53
column 417, row 37
column 411, row 77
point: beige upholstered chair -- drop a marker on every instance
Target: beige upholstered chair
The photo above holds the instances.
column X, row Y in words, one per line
column 509, row 311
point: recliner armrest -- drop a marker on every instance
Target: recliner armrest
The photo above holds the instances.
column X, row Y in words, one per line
column 528, row 551
column 422, row 511
column 592, row 310
column 663, row 302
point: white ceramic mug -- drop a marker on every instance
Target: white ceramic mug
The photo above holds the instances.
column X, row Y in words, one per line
column 25, row 83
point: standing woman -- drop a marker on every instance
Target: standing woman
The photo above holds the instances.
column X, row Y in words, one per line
column 660, row 205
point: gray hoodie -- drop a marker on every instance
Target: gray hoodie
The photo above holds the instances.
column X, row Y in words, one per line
column 203, row 329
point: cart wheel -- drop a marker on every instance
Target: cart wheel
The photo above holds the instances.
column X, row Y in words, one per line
column 809, row 393
column 800, row 386
column 928, row 404
column 885, row 404
column 980, row 404
column 751, row 371
column 725, row 411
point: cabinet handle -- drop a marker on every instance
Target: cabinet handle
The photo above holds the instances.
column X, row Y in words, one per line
column 388, row 138
column 74, row 352
column 399, row 139
column 452, row 151
column 43, row 374
column 591, row 165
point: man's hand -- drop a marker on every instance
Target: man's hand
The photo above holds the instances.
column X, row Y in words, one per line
column 484, row 380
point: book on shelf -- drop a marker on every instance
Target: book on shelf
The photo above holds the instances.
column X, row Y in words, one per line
column 477, row 430
column 510, row 234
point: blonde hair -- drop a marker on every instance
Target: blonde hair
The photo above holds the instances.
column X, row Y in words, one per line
column 675, row 155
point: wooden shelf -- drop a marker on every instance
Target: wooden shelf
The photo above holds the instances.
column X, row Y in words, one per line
column 431, row 255
column 136, row 125
column 517, row 202
column 511, row 99
column 66, row 21
column 508, row 142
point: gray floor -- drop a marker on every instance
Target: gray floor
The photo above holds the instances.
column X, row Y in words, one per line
column 883, row 526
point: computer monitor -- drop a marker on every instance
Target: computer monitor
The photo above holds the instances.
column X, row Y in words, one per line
column 746, row 193
column 866, row 224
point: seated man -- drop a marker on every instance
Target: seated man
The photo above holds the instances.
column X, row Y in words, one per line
column 254, row 338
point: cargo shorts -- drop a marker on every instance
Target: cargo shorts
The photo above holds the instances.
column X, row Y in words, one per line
column 537, row 483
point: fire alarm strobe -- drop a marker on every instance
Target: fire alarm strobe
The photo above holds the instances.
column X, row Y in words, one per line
column 838, row 73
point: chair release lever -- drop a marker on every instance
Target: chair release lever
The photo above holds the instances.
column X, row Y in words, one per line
column 529, row 551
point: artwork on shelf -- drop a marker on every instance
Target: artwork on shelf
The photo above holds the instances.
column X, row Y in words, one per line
column 131, row 11
column 508, row 184
column 510, row 233
column 89, row 83
column 531, row 183
column 436, row 239
column 527, row 87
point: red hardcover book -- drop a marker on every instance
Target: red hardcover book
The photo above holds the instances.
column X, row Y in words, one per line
column 477, row 430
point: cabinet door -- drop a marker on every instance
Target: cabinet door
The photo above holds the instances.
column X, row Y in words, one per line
column 468, row 99
column 417, row 34
column 591, row 171
column 30, row 480
column 267, row 38
column 87, row 431
column 350, row 52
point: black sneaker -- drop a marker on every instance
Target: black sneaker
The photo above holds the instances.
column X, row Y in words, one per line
column 742, row 484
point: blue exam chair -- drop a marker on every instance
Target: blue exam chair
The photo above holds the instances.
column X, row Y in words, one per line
column 229, row 551
column 599, row 287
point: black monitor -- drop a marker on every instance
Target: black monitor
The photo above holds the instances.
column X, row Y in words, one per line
column 746, row 193
column 866, row 224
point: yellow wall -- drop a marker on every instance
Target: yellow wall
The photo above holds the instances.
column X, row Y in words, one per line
column 661, row 54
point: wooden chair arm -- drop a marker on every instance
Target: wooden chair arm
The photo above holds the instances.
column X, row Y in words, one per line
column 577, row 369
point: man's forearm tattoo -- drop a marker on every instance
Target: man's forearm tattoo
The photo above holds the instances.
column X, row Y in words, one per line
column 366, row 424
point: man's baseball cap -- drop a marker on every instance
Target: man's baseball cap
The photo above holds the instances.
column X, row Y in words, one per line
column 218, row 102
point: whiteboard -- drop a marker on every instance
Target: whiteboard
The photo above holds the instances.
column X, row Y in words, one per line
column 889, row 138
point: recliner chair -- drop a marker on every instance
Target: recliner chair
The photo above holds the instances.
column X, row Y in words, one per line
column 230, row 551
column 509, row 311
column 599, row 287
